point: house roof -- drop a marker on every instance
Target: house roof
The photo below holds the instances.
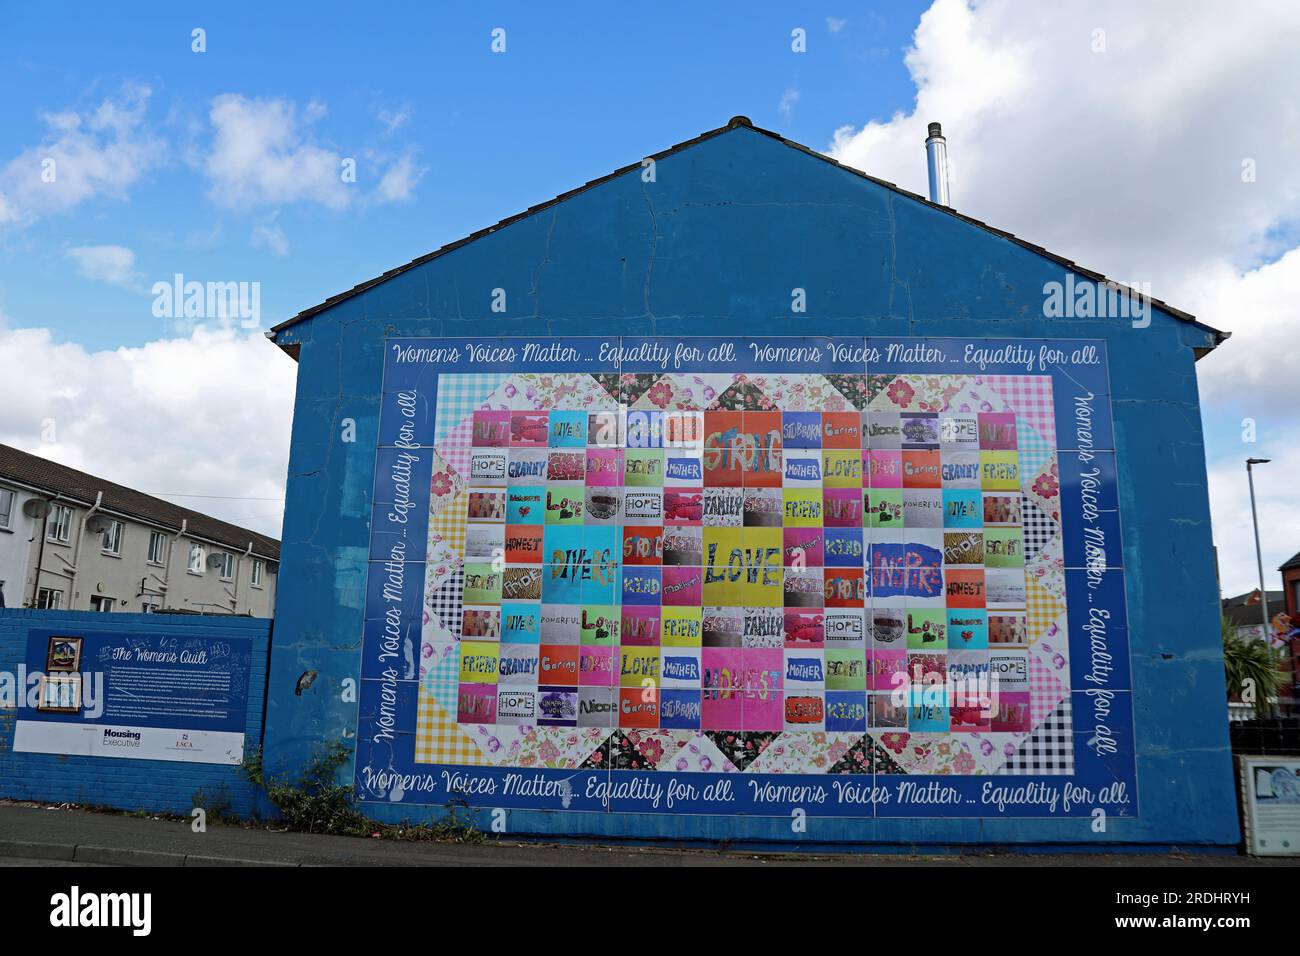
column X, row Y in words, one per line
column 735, row 123
column 1293, row 562
column 1240, row 611
column 68, row 483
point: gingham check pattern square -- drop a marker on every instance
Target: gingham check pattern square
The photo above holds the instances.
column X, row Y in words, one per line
column 1034, row 449
column 1031, row 397
column 1045, row 691
column 1049, row 750
column 447, row 603
column 440, row 676
column 455, row 447
column 1038, row 526
column 439, row 740
column 1041, row 608
column 459, row 396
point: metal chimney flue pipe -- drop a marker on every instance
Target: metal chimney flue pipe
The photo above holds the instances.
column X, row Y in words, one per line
column 936, row 153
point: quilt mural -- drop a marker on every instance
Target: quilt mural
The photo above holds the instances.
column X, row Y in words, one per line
column 849, row 576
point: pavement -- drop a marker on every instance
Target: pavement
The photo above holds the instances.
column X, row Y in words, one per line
column 38, row 835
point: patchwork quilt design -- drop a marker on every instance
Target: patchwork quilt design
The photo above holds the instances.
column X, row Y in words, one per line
column 744, row 572
column 778, row 576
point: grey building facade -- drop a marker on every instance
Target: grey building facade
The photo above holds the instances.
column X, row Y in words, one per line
column 72, row 541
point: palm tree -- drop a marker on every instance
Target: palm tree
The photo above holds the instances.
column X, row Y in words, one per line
column 1251, row 664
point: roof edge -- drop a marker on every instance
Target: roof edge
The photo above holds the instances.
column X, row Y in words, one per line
column 736, row 122
column 40, row 488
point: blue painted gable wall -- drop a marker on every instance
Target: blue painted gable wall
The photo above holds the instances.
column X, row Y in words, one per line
column 714, row 246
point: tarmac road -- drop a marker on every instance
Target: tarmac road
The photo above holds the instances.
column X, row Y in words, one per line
column 32, row 835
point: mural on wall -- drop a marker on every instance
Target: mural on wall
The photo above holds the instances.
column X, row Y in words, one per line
column 858, row 577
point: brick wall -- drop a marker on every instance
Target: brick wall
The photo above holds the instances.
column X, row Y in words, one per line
column 127, row 784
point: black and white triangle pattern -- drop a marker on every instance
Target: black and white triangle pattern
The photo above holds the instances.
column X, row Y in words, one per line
column 447, row 603
column 1038, row 526
column 1049, row 750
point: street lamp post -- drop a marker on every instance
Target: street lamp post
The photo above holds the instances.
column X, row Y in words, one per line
column 1259, row 557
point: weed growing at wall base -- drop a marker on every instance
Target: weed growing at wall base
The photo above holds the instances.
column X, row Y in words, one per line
column 316, row 803
column 215, row 802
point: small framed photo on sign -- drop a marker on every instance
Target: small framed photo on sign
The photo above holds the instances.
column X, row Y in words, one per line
column 60, row 693
column 64, row 655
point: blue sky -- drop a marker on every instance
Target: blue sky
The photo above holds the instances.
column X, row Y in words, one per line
column 1113, row 133
column 568, row 101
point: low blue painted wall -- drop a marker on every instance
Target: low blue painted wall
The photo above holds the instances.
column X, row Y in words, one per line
column 714, row 247
column 122, row 783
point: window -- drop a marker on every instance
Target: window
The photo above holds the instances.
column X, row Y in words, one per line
column 6, row 507
column 149, row 607
column 256, row 578
column 49, row 599
column 58, row 524
column 227, row 566
column 100, row 603
column 157, row 547
column 113, row 538
column 196, row 558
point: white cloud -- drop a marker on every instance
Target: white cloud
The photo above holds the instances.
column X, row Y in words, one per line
column 269, row 235
column 1279, row 517
column 207, row 414
column 788, row 99
column 112, row 264
column 84, row 154
column 400, row 179
column 835, row 24
column 262, row 153
column 393, row 120
column 1259, row 307
column 1129, row 161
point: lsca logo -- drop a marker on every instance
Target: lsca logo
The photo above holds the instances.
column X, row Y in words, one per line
column 75, row 909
